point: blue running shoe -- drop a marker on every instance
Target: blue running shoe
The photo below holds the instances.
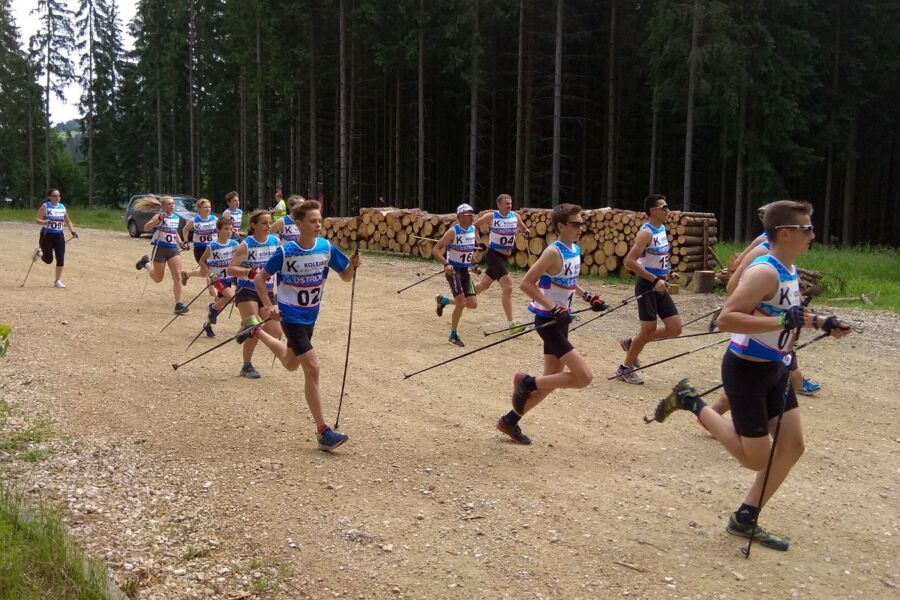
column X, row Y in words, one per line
column 211, row 313
column 330, row 439
column 441, row 302
column 809, row 387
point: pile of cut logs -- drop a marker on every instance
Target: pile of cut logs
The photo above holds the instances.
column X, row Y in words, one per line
column 604, row 244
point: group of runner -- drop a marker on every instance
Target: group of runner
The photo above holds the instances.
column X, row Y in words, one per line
column 763, row 312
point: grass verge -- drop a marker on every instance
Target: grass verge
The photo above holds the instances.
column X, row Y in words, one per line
column 94, row 218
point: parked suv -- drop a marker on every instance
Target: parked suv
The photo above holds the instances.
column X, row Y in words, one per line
column 135, row 218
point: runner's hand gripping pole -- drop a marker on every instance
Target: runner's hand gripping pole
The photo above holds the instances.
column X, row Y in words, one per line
column 241, row 331
column 337, row 419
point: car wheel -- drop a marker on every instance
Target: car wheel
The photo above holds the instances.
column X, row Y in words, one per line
column 133, row 230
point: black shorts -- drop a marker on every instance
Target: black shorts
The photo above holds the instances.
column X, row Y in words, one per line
column 162, row 255
column 198, row 252
column 460, row 283
column 299, row 337
column 496, row 264
column 654, row 305
column 53, row 244
column 249, row 295
column 755, row 392
column 556, row 337
column 793, row 366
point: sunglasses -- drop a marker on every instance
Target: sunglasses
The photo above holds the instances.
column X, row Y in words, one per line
column 577, row 223
column 802, row 228
column 664, row 207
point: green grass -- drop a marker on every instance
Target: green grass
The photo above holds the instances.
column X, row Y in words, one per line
column 38, row 561
column 20, row 440
column 849, row 272
column 93, row 218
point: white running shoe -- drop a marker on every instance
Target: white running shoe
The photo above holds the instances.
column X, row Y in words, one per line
column 59, row 284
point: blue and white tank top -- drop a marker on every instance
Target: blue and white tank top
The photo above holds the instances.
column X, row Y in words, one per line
column 258, row 254
column 503, row 231
column 237, row 217
column 655, row 257
column 165, row 234
column 559, row 288
column 301, row 278
column 765, row 243
column 461, row 249
column 219, row 257
column 290, row 232
column 204, row 230
column 772, row 345
column 55, row 217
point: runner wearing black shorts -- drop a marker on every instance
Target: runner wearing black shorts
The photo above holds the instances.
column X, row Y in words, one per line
column 455, row 250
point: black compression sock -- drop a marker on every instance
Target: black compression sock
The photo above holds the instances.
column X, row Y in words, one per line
column 529, row 383
column 511, row 418
column 694, row 404
column 746, row 514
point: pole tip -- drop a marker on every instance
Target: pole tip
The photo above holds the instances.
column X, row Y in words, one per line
column 175, row 366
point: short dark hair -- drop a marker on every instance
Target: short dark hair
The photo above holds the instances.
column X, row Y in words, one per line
column 562, row 213
column 298, row 213
column 784, row 212
column 502, row 197
column 231, row 195
column 50, row 193
column 651, row 201
column 222, row 222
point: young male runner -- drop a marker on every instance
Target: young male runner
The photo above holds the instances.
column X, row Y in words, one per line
column 302, row 268
column 552, row 283
column 285, row 227
column 234, row 213
column 460, row 243
column 214, row 261
column 53, row 216
column 504, row 224
column 763, row 315
column 649, row 260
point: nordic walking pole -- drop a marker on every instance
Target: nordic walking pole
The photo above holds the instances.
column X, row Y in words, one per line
column 347, row 355
column 688, row 335
column 420, row 281
column 665, row 360
column 624, row 302
column 419, row 237
column 205, row 325
column 34, row 258
column 203, row 289
column 177, row 366
column 144, row 289
column 508, row 329
column 703, row 316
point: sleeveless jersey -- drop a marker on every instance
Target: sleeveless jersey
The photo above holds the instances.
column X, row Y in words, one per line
column 258, row 253
column 204, row 231
column 559, row 288
column 765, row 244
column 165, row 234
column 219, row 257
column 460, row 250
column 655, row 257
column 55, row 217
column 503, row 231
column 237, row 217
column 772, row 345
column 301, row 278
column 290, row 233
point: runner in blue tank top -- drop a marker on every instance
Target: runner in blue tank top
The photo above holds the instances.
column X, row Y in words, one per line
column 649, row 260
column 454, row 251
column 552, row 284
column 302, row 268
column 203, row 226
column 285, row 227
column 52, row 216
column 763, row 313
column 234, row 213
column 504, row 226
column 167, row 245
column 249, row 258
column 215, row 260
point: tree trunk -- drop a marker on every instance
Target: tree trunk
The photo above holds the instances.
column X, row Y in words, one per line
column 692, row 85
column 420, row 173
column 849, row 184
column 342, row 117
column 313, row 145
column 611, row 109
column 739, row 169
column 90, row 115
column 352, row 126
column 557, row 104
column 397, row 140
column 30, row 155
column 47, row 120
column 723, row 178
column 473, row 105
column 159, row 136
column 520, row 96
column 654, row 134
column 242, row 190
column 829, row 169
column 529, row 115
column 191, row 41
column 260, row 131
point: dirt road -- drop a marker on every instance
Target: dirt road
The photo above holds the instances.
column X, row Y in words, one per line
column 198, row 483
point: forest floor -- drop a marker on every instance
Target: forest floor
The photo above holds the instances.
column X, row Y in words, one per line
column 198, row 483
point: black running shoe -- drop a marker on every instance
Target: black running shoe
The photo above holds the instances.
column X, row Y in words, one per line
column 514, row 432
column 211, row 313
column 181, row 308
column 455, row 340
column 760, row 536
column 209, row 331
column 681, row 397
column 520, row 394
column 250, row 372
column 250, row 326
column 441, row 303
column 140, row 264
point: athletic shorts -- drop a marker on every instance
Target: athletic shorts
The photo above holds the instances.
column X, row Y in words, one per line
column 793, row 366
column 654, row 305
column 198, row 252
column 460, row 283
column 53, row 244
column 496, row 264
column 249, row 295
column 556, row 337
column 299, row 337
column 163, row 255
column 755, row 392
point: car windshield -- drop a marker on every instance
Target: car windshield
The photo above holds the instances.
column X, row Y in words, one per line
column 184, row 203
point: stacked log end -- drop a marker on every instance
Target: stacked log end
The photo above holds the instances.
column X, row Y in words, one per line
column 605, row 242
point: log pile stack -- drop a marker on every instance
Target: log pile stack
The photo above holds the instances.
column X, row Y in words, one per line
column 606, row 240
column 810, row 281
